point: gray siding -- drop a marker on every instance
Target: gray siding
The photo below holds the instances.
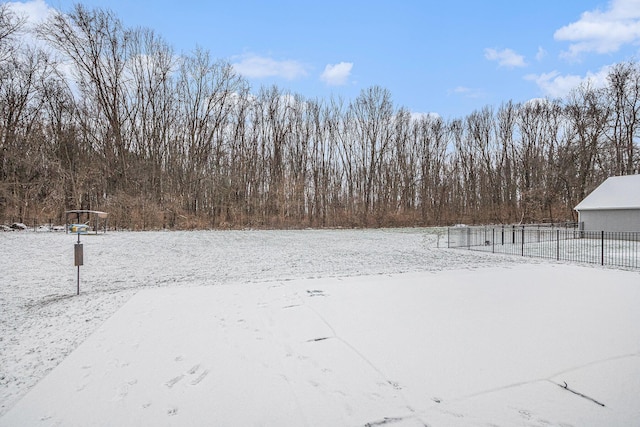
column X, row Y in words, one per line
column 611, row 220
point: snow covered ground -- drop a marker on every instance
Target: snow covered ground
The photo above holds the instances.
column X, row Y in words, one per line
column 312, row 327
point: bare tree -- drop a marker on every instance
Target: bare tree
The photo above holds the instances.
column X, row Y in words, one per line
column 505, row 129
column 587, row 114
column 404, row 166
column 95, row 42
column 537, row 126
column 10, row 26
column 152, row 111
column 183, row 141
column 21, row 80
column 623, row 92
column 372, row 112
column 480, row 137
column 432, row 141
column 205, row 91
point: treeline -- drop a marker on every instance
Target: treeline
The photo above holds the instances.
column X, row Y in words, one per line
column 110, row 118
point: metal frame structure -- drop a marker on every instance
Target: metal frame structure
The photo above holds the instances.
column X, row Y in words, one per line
column 92, row 217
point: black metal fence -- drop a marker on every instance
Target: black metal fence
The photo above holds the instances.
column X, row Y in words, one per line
column 562, row 243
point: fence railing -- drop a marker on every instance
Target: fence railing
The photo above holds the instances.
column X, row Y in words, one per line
column 620, row 249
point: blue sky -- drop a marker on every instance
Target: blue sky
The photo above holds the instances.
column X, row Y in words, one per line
column 447, row 57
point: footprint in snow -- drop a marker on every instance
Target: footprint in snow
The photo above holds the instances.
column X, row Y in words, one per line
column 394, row 385
column 173, row 381
column 200, row 377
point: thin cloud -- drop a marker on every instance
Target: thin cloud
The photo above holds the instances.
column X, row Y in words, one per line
column 556, row 85
column 467, row 92
column 338, row 74
column 255, row 66
column 541, row 54
column 505, row 57
column 603, row 31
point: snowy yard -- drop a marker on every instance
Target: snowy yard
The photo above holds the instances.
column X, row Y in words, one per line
column 313, row 327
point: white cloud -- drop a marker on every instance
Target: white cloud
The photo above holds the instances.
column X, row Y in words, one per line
column 505, row 57
column 556, row 85
column 553, row 84
column 534, row 102
column 425, row 116
column 35, row 11
column 603, row 31
column 338, row 74
column 255, row 66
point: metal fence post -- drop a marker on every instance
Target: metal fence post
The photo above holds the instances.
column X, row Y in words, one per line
column 602, row 247
column 523, row 240
column 558, row 245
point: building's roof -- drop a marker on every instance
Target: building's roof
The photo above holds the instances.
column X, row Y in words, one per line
column 85, row 211
column 618, row 192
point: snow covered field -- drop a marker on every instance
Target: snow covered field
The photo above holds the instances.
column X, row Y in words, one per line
column 313, row 327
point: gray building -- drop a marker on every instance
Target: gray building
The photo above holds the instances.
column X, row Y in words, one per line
column 612, row 206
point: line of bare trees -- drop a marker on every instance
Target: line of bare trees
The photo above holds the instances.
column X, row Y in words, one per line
column 110, row 118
